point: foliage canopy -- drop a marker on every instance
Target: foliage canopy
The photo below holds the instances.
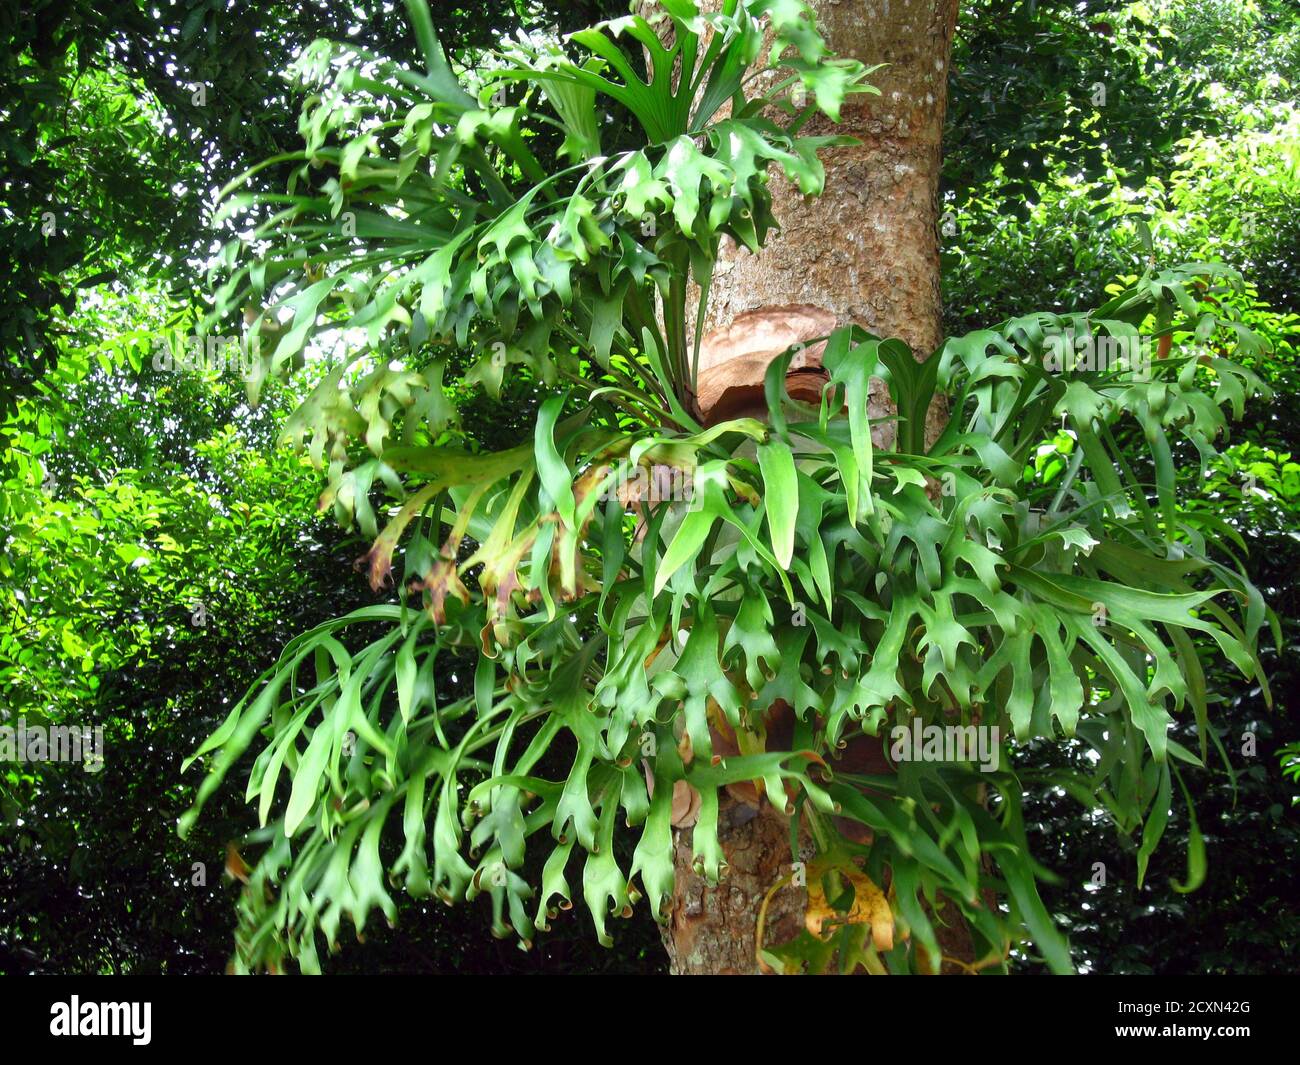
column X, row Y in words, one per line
column 985, row 578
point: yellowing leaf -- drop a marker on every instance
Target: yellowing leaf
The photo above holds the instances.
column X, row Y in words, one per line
column 869, row 907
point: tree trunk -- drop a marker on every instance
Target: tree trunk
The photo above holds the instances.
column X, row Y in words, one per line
column 867, row 251
column 713, row 929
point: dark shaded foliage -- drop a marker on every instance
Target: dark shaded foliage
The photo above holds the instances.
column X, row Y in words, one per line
column 91, row 190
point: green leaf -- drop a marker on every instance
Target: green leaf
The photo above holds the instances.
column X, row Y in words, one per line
column 780, row 497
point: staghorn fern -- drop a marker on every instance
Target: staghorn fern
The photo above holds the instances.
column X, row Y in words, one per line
column 1016, row 572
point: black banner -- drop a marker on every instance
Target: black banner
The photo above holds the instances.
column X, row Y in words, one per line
column 355, row 1013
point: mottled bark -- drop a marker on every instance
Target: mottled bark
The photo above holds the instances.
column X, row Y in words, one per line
column 867, row 251
column 867, row 248
column 713, row 928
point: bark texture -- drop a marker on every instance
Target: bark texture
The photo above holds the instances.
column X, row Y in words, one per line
column 867, row 249
column 867, row 252
column 713, row 928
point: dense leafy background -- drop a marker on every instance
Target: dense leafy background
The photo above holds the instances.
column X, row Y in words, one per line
column 1217, row 177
